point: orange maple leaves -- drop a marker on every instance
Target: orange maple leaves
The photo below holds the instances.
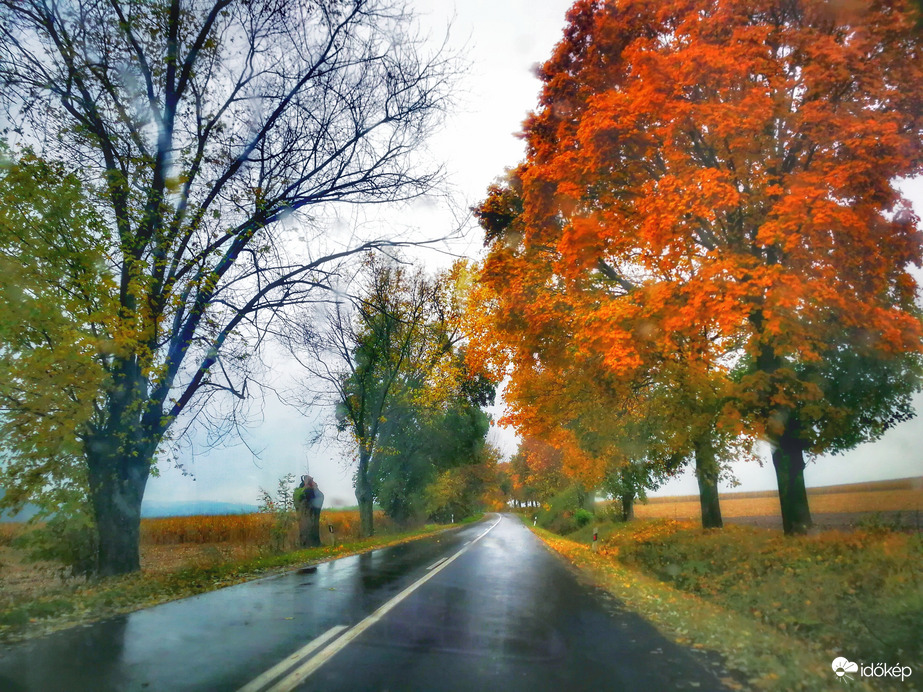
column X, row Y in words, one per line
column 712, row 182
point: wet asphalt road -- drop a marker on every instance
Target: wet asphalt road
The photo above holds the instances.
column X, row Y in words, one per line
column 497, row 611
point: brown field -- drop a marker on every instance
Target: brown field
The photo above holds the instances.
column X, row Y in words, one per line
column 248, row 529
column 169, row 543
column 7, row 532
column 903, row 495
column 172, row 543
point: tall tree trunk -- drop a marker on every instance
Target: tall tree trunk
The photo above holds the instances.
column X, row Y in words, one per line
column 788, row 460
column 314, row 531
column 303, row 515
column 117, row 481
column 787, row 452
column 706, row 473
column 364, row 496
column 119, row 457
column 308, row 527
column 628, row 506
column 585, row 499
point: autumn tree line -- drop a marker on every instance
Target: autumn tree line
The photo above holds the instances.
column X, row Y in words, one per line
column 705, row 245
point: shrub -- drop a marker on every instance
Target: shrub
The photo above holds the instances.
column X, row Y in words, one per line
column 560, row 514
column 583, row 517
column 70, row 539
column 282, row 509
column 8, row 532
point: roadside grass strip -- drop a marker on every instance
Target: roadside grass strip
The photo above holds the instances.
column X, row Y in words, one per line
column 856, row 592
column 769, row 659
column 82, row 603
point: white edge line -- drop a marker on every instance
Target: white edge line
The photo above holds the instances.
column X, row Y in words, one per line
column 297, row 676
column 265, row 678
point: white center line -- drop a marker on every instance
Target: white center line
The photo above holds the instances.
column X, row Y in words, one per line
column 437, row 563
column 297, row 676
column 262, row 680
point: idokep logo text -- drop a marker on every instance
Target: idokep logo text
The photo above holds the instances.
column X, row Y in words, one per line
column 845, row 669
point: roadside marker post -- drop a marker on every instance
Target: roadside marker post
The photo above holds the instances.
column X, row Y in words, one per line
column 595, row 538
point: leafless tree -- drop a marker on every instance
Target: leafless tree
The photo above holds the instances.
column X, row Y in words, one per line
column 209, row 129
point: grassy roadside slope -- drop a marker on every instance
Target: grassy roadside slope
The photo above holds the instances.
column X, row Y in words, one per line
column 77, row 603
column 778, row 610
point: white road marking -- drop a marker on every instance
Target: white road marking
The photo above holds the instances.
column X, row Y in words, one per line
column 297, row 676
column 264, row 679
column 437, row 563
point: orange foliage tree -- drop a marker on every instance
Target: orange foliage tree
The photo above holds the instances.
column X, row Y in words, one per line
column 624, row 435
column 537, row 471
column 710, row 183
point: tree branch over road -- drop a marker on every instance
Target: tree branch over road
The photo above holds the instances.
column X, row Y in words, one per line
column 204, row 131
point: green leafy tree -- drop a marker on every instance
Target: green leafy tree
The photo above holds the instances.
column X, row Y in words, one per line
column 55, row 318
column 201, row 126
column 427, row 434
column 461, row 491
column 388, row 362
column 363, row 355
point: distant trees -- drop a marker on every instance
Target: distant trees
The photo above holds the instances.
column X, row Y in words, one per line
column 390, row 362
column 536, row 472
column 428, row 433
column 361, row 353
column 461, row 491
column 708, row 196
column 200, row 130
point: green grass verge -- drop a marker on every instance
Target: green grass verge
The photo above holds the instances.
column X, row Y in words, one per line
column 99, row 599
column 778, row 609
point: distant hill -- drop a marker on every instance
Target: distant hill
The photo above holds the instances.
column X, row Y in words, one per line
column 27, row 512
column 194, row 507
column 156, row 509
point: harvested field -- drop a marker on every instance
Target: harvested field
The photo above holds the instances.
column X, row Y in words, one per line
column 172, row 543
column 249, row 529
column 38, row 598
column 886, row 497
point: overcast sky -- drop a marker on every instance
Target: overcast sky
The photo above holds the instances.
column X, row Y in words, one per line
column 503, row 40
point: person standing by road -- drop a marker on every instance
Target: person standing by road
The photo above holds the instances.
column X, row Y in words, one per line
column 304, row 497
column 316, row 502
